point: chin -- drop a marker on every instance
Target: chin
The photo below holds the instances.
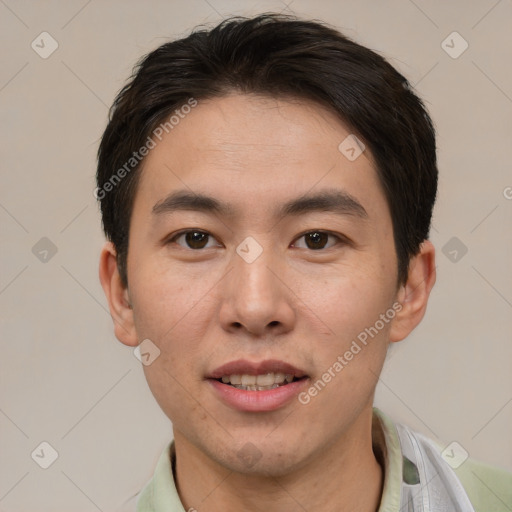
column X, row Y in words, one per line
column 253, row 459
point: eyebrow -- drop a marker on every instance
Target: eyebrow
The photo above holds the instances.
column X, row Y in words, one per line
column 335, row 201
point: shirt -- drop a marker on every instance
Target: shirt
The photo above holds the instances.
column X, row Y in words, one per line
column 417, row 477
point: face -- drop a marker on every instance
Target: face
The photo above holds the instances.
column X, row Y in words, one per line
column 259, row 253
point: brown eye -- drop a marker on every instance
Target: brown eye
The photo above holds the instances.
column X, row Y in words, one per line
column 196, row 239
column 316, row 240
column 193, row 239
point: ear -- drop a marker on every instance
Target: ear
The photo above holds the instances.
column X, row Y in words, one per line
column 117, row 296
column 413, row 295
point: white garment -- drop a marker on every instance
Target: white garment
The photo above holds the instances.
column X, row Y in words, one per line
column 438, row 489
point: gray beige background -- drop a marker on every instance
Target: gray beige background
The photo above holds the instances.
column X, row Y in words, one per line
column 66, row 380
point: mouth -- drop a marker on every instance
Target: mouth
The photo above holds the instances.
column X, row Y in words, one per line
column 257, row 386
column 261, row 382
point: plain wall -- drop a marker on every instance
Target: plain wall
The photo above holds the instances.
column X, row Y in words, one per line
column 66, row 380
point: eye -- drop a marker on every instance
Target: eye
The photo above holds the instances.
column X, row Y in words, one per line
column 194, row 239
column 316, row 240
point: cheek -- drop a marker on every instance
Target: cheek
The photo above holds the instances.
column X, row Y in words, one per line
column 168, row 302
column 350, row 297
column 173, row 312
column 356, row 308
column 348, row 363
column 174, row 315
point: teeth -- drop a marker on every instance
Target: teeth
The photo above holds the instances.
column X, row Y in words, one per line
column 235, row 379
column 265, row 380
column 279, row 378
column 257, row 382
column 256, row 388
column 248, row 380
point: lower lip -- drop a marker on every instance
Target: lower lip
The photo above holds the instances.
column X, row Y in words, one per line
column 258, row 401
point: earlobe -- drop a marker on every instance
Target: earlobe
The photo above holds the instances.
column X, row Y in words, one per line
column 414, row 294
column 117, row 296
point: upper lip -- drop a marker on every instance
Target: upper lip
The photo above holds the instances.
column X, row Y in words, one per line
column 244, row 367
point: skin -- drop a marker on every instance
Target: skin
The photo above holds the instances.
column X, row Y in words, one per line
column 206, row 307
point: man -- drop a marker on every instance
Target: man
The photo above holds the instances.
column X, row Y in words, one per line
column 267, row 188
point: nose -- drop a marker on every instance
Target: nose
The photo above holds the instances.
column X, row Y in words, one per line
column 256, row 297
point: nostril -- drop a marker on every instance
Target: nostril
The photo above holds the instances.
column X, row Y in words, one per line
column 273, row 323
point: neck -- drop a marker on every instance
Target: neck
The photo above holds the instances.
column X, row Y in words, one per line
column 344, row 477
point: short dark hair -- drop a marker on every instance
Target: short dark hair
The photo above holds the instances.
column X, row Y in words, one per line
column 278, row 56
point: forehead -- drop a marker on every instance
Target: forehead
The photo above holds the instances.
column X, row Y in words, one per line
column 247, row 147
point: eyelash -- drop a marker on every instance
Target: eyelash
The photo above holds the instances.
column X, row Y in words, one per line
column 340, row 238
